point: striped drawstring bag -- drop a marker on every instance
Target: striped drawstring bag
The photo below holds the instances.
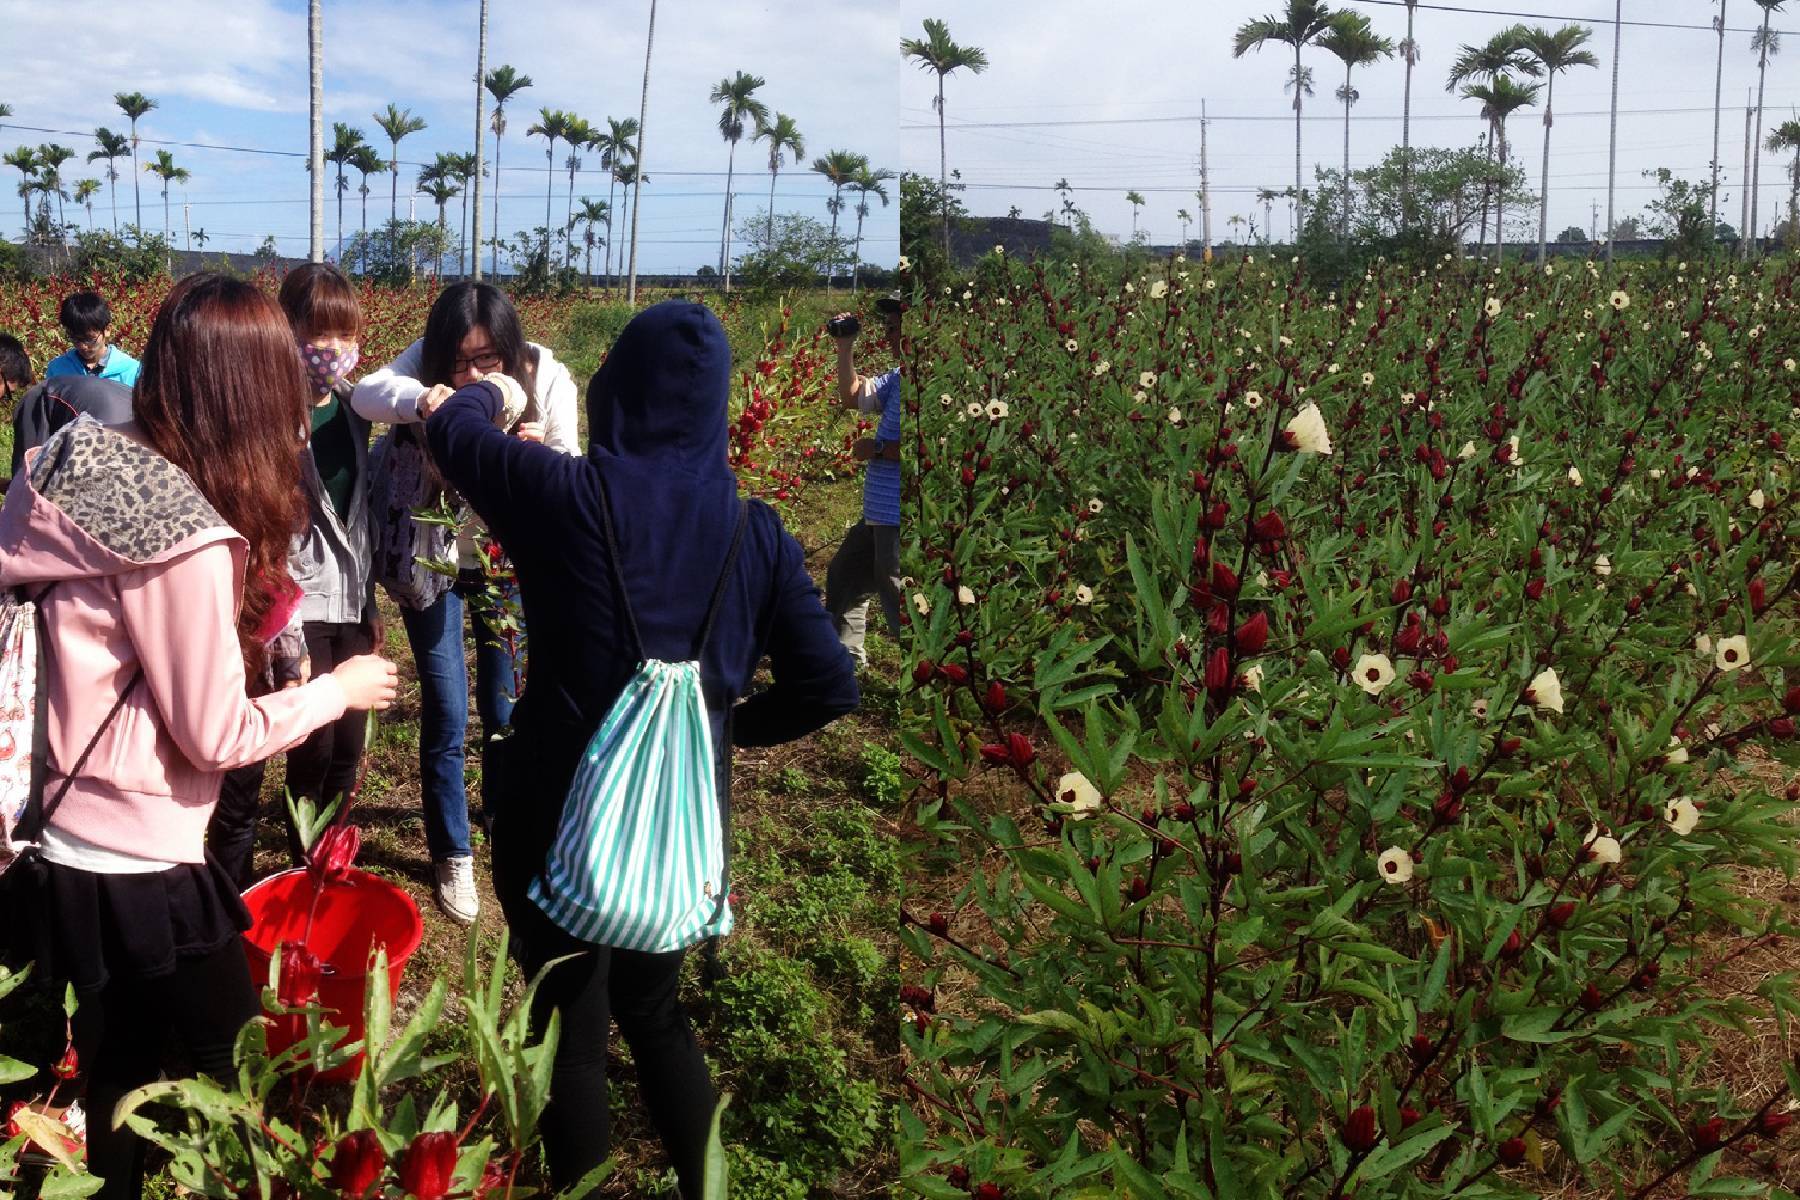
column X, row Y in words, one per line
column 639, row 856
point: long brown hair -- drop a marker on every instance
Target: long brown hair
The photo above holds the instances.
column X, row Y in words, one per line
column 223, row 396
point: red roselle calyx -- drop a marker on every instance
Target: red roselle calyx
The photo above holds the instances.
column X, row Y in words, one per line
column 1773, row 1123
column 1253, row 634
column 68, row 1066
column 334, row 853
column 300, row 975
column 358, row 1163
column 1359, row 1129
column 428, row 1165
column 953, row 673
column 1019, row 749
column 1218, row 671
column 1512, row 1151
column 1709, row 1133
column 924, row 673
column 996, row 697
column 1561, row 913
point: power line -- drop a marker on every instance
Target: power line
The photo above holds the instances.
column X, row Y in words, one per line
column 1538, row 16
column 1334, row 118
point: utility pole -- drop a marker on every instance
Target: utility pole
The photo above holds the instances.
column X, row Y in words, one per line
column 1712, row 218
column 187, row 232
column 637, row 161
column 480, row 120
column 1594, row 221
column 1205, row 193
column 1612, row 141
column 1744, row 231
column 315, row 150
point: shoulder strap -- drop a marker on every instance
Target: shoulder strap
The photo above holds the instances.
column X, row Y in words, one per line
column 40, row 734
column 618, row 568
column 718, row 596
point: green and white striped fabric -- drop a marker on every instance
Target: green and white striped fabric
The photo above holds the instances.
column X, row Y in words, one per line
column 639, row 860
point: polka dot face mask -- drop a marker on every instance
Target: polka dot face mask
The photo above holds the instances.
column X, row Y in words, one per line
column 327, row 366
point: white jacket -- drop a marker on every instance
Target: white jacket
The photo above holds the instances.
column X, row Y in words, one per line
column 391, row 395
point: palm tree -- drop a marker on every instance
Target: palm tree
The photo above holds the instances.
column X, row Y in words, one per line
column 1499, row 100
column 628, row 178
column 199, row 236
column 592, row 213
column 1555, row 52
column 164, row 168
column 367, row 160
column 1268, row 196
column 637, row 156
column 614, row 145
column 1767, row 42
column 465, row 170
column 865, row 183
column 782, row 135
column 1185, row 218
column 345, row 141
column 937, row 53
column 1304, row 23
column 1409, row 50
column 135, row 105
column 1498, row 57
column 503, row 83
column 112, row 146
column 439, row 182
column 839, row 167
column 84, row 196
column 552, row 125
column 397, row 123
column 51, row 157
column 315, row 131
column 1785, row 136
column 1356, row 44
column 736, row 104
column 1136, row 201
column 477, row 169
column 24, row 160
column 1712, row 216
column 578, row 134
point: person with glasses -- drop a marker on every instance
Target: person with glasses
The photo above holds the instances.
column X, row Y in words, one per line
column 473, row 331
column 85, row 317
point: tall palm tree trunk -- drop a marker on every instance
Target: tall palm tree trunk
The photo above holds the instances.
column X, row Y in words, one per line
column 856, row 254
column 167, row 236
column 340, row 206
column 364, row 257
column 589, row 265
column 611, row 183
column 549, row 189
column 1712, row 216
column 315, row 140
column 1487, row 191
column 1406, row 126
column 769, row 226
column 480, row 104
column 725, row 245
column 637, row 173
column 494, row 263
column 462, row 251
column 1500, row 199
column 393, row 188
column 113, row 186
column 1762, row 71
column 1299, row 207
column 1612, row 141
column 943, row 172
column 1544, row 175
column 569, row 217
column 1344, row 225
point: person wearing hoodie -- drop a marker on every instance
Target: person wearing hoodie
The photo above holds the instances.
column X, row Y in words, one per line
column 473, row 329
column 46, row 407
column 329, row 560
column 657, row 421
column 156, row 553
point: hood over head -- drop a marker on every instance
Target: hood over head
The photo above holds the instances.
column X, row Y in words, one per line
column 96, row 502
column 661, row 398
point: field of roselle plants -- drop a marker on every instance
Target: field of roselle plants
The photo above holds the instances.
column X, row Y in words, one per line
column 1345, row 718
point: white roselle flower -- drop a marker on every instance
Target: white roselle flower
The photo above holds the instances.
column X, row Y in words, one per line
column 1492, row 307
column 1395, row 865
column 1306, row 433
column 996, row 410
column 1253, row 678
column 1602, row 849
column 1757, row 499
column 965, row 594
column 1480, row 708
column 1602, row 565
column 1095, row 504
column 1681, row 815
column 1575, row 476
column 1159, row 289
column 1467, row 452
column 1546, row 690
column 922, row 604
column 1174, row 416
column 1703, row 645
column 1517, row 460
column 1619, row 300
column 1734, row 653
column 1676, row 753
column 1084, row 595
column 1146, row 379
column 1103, row 366
column 1373, row 673
column 1080, row 796
column 1253, row 399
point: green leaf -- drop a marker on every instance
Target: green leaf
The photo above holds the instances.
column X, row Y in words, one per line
column 715, row 1180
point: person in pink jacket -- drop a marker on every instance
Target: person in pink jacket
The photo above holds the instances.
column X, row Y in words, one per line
column 156, row 551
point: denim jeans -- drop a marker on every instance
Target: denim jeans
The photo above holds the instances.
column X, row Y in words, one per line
column 436, row 636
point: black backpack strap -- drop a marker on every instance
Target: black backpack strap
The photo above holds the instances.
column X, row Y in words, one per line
column 718, row 596
column 618, row 569
column 40, row 733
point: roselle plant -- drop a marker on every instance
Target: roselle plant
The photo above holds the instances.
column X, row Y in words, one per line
column 1337, row 717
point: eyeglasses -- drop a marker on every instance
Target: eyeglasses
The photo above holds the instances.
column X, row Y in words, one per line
column 91, row 339
column 487, row 360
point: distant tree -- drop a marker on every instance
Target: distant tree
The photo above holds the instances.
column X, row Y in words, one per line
column 503, row 83
column 1573, row 233
column 1627, row 229
column 397, row 123
column 1554, row 52
column 937, row 53
column 135, row 105
column 1136, row 201
column 1678, row 215
column 1356, row 44
column 84, row 196
column 111, row 146
column 1302, row 25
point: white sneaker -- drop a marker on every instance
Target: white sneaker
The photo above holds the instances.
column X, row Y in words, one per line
column 456, row 894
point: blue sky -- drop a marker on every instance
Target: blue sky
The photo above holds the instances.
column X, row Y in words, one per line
column 1143, row 70
column 233, row 73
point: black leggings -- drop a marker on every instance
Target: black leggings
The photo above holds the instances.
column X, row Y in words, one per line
column 601, row 984
column 123, row 1031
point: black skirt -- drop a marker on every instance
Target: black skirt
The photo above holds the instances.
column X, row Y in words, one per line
column 91, row 928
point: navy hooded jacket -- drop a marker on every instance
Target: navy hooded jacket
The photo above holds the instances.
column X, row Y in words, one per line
column 657, row 429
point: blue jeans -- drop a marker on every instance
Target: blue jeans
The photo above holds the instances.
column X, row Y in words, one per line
column 436, row 636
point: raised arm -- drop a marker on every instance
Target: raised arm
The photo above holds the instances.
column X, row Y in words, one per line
column 512, row 483
column 815, row 679
column 181, row 617
column 391, row 394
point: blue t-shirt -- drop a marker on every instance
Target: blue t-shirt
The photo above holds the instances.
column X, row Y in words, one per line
column 881, row 479
column 119, row 366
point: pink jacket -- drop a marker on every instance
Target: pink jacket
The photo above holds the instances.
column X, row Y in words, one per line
column 147, row 576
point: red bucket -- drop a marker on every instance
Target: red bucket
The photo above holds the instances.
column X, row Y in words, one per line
column 355, row 917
